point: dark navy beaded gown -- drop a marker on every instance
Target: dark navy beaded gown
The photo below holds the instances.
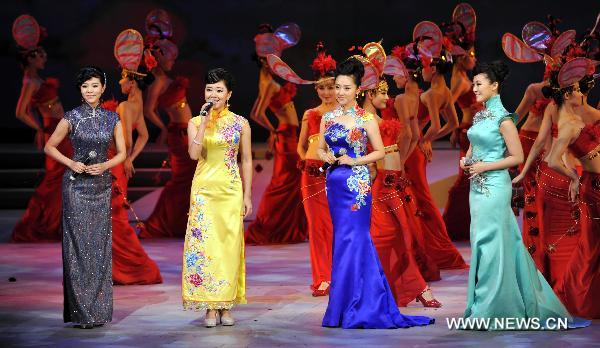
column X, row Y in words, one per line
column 87, row 227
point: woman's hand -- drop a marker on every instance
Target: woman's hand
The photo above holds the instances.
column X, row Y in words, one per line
column 327, row 156
column 77, row 167
column 425, row 147
column 461, row 164
column 247, row 206
column 518, row 178
column 96, row 169
column 347, row 160
column 477, row 168
column 574, row 190
column 129, row 169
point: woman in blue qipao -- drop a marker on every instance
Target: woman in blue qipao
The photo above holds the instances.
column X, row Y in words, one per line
column 504, row 283
column 360, row 295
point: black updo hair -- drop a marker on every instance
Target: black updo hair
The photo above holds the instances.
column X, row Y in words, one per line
column 142, row 81
column 351, row 67
column 442, row 65
column 87, row 73
column 496, row 71
column 586, row 84
column 558, row 94
column 23, row 56
column 220, row 74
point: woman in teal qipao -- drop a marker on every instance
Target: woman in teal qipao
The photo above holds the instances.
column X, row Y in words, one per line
column 503, row 280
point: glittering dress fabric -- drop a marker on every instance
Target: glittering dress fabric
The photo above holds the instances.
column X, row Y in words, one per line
column 214, row 270
column 87, row 229
column 360, row 295
column 503, row 280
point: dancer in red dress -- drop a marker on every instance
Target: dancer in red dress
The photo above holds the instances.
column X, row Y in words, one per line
column 460, row 33
column 390, row 229
column 169, row 218
column 580, row 284
column 280, row 216
column 435, row 102
column 552, row 241
column 404, row 108
column 131, row 264
column 41, row 221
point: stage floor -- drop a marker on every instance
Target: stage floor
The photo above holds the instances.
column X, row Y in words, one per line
column 280, row 309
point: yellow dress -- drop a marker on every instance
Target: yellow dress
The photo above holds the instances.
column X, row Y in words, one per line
column 214, row 271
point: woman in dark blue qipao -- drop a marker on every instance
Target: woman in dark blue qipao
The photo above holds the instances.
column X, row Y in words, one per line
column 360, row 295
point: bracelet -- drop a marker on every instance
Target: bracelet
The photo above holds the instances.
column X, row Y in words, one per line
column 196, row 142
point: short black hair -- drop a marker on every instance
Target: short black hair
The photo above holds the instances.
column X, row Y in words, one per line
column 142, row 81
column 496, row 71
column 442, row 65
column 89, row 72
column 220, row 74
column 351, row 67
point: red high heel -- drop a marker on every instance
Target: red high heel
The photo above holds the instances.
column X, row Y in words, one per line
column 429, row 304
column 324, row 292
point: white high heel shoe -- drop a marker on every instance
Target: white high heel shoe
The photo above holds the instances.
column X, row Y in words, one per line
column 227, row 321
column 212, row 322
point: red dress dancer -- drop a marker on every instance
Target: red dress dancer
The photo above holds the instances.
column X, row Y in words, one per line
column 131, row 264
column 280, row 216
column 41, row 221
column 550, row 231
column 390, row 228
column 433, row 102
column 579, row 286
column 316, row 208
column 461, row 34
column 169, row 218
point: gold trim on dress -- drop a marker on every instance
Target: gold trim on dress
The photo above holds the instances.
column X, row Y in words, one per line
column 391, row 148
column 313, row 138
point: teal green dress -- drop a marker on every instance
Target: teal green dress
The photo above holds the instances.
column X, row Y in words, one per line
column 503, row 279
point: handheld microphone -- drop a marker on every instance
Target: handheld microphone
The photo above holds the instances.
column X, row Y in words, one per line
column 205, row 110
column 326, row 165
column 86, row 161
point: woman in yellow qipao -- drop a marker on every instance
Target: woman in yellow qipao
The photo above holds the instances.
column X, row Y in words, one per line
column 214, row 273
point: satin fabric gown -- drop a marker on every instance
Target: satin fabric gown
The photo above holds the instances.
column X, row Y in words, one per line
column 503, row 279
column 360, row 296
column 214, row 271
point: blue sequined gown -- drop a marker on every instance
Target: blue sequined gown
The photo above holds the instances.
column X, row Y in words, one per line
column 360, row 296
column 503, row 279
column 86, row 221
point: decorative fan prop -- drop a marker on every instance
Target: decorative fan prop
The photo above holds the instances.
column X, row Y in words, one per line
column 394, row 67
column 129, row 49
column 574, row 70
column 431, row 37
column 465, row 14
column 287, row 35
column 518, row 51
column 26, row 32
column 158, row 24
column 281, row 69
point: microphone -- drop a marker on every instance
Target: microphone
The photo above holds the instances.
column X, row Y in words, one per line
column 326, row 165
column 206, row 109
column 86, row 161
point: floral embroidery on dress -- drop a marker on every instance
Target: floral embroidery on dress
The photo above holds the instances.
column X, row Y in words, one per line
column 359, row 182
column 196, row 260
column 482, row 115
column 229, row 130
column 479, row 181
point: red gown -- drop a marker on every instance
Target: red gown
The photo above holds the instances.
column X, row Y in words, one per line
column 169, row 218
column 531, row 223
column 390, row 229
column 437, row 242
column 316, row 208
column 560, row 229
column 427, row 266
column 580, row 285
column 41, row 221
column 280, row 217
column 457, row 216
column 130, row 263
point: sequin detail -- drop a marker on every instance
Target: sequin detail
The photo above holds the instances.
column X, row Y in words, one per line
column 483, row 115
column 86, row 221
column 359, row 182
